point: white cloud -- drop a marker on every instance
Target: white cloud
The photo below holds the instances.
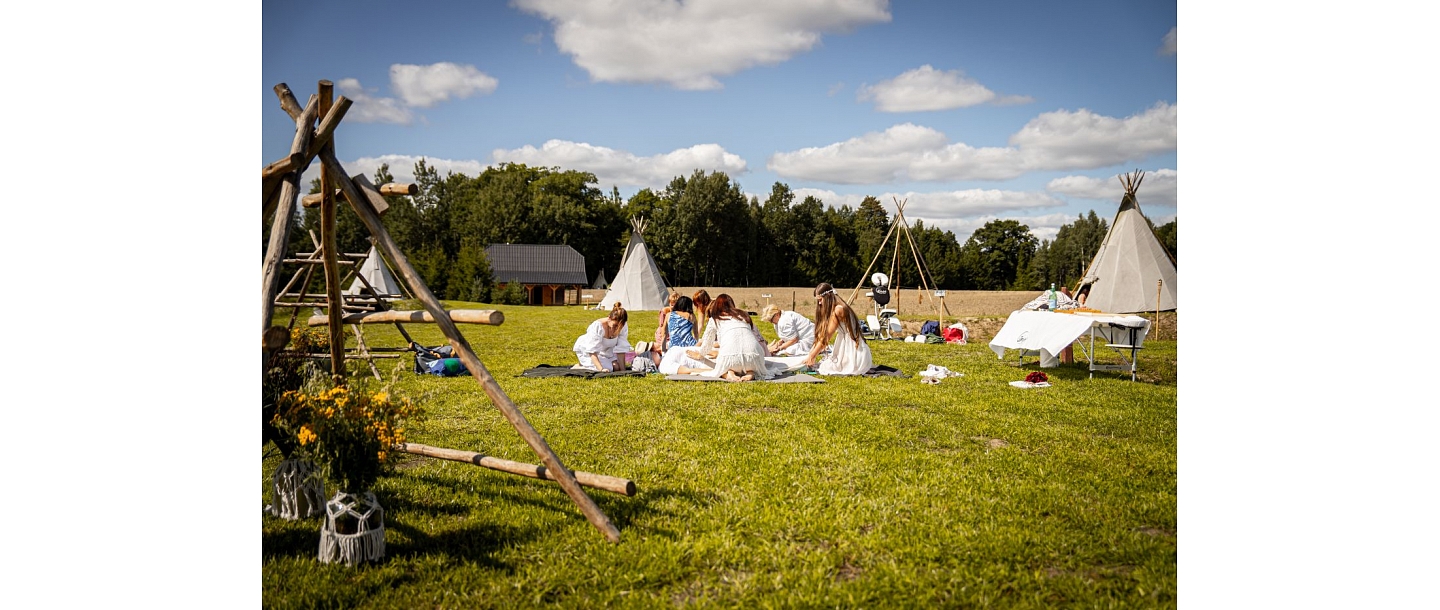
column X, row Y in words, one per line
column 1085, row 140
column 621, row 168
column 423, row 86
column 688, row 44
column 369, row 109
column 1167, row 46
column 958, row 211
column 926, row 88
column 872, row 158
column 402, row 167
column 1159, row 188
column 1060, row 140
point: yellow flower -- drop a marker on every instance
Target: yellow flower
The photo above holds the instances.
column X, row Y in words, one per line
column 306, row 435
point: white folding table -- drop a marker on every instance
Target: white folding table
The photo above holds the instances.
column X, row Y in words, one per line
column 1046, row 334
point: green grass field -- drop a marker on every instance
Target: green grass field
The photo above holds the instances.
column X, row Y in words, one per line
column 853, row 493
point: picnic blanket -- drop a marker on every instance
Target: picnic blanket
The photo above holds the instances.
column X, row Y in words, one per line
column 781, row 378
column 556, row 370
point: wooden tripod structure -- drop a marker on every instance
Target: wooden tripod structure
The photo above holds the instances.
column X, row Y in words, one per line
column 281, row 183
column 920, row 267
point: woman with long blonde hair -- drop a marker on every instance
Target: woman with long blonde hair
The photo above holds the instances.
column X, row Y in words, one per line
column 849, row 354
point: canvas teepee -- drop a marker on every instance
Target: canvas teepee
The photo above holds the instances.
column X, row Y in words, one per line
column 638, row 284
column 600, row 282
column 378, row 275
column 1124, row 273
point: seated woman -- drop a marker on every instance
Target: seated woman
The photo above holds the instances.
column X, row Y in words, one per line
column 680, row 327
column 660, row 330
column 850, row 355
column 731, row 336
column 596, row 348
column 796, row 332
column 678, row 362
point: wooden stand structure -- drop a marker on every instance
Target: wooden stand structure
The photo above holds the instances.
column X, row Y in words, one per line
column 280, row 188
column 921, row 269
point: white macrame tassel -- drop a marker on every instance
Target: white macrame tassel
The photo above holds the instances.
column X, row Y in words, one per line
column 298, row 491
column 367, row 543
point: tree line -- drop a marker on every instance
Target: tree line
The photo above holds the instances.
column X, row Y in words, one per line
column 701, row 230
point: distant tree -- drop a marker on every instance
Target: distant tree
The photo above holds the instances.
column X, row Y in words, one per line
column 512, row 294
column 468, row 278
column 1169, row 235
column 995, row 254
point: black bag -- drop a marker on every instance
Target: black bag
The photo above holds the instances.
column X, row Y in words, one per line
column 555, row 370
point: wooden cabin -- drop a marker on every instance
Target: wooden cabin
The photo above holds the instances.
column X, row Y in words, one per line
column 552, row 274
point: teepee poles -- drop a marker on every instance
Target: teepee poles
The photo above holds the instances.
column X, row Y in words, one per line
column 920, row 266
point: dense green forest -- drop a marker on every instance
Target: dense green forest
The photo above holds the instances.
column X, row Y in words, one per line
column 701, row 230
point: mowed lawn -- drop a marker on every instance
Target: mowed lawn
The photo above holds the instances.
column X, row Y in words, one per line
column 856, row 492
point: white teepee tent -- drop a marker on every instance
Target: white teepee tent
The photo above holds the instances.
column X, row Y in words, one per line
column 378, row 275
column 638, row 284
column 1131, row 266
column 600, row 282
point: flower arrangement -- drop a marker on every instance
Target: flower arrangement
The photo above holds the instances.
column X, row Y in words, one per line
column 1036, row 377
column 350, row 432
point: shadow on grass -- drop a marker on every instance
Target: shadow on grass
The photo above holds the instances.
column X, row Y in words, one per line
column 476, row 543
column 650, row 506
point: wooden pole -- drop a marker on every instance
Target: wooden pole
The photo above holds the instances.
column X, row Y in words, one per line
column 1158, row 284
column 284, row 210
column 624, row 487
column 487, row 317
column 271, row 177
column 878, row 251
column 327, row 244
column 364, row 351
column 477, row 369
column 389, row 188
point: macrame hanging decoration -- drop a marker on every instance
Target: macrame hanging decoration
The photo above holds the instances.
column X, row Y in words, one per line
column 360, row 513
column 298, row 490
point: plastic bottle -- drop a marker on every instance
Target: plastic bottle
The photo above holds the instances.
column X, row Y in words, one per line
column 1052, row 297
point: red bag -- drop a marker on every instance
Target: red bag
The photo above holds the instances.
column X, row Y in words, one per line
column 953, row 335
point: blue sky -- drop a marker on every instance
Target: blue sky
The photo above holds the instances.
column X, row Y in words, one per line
column 970, row 111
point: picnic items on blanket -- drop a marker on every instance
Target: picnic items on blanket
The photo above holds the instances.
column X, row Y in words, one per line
column 558, row 370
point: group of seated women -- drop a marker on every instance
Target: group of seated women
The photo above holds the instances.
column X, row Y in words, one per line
column 698, row 335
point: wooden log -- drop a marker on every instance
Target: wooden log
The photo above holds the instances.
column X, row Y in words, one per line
column 488, row 317
column 325, row 133
column 272, row 175
column 411, row 278
column 389, row 188
column 624, row 487
column 321, row 142
column 349, row 356
column 322, row 305
column 369, row 191
column 312, row 261
column 284, row 210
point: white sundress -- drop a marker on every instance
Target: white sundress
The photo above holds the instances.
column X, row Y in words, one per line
column 739, row 349
column 676, row 357
column 846, row 358
column 594, row 342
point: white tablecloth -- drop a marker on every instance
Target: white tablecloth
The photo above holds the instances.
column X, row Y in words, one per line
column 1050, row 332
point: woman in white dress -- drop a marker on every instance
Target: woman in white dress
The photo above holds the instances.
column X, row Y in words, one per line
column 849, row 355
column 797, row 334
column 731, row 336
column 596, row 348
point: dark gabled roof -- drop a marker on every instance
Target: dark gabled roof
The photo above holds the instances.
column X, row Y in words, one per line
column 536, row 264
